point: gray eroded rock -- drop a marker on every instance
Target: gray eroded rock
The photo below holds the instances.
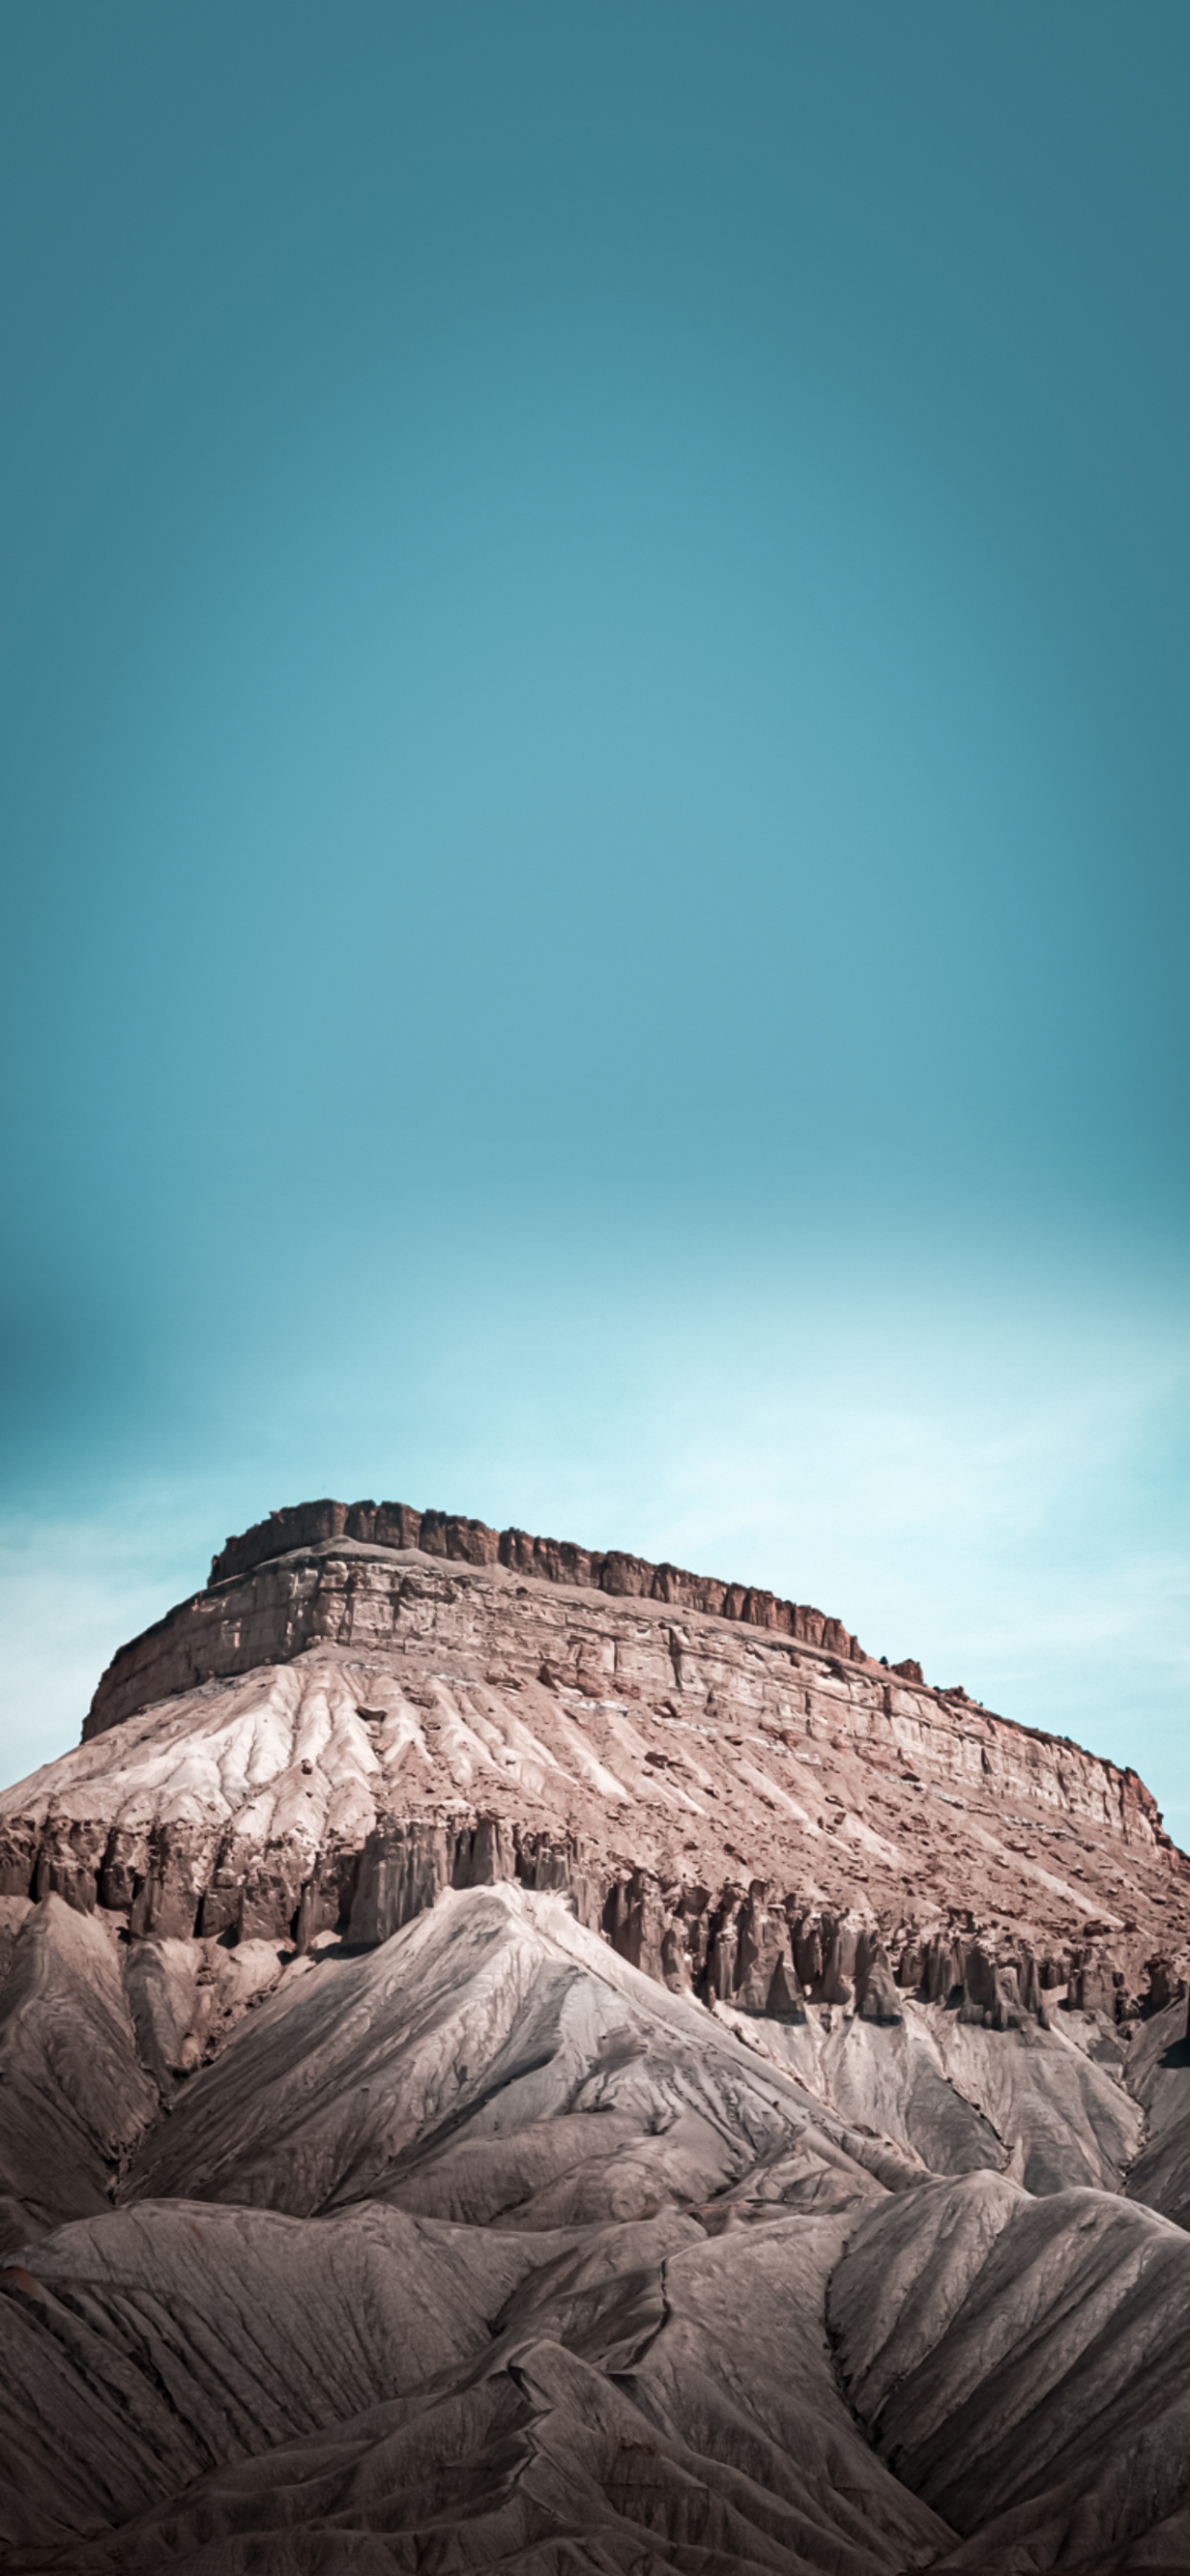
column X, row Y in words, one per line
column 1158, row 2074
column 185, row 1998
column 961, row 2097
column 75, row 2099
column 494, row 2060
column 144, row 2348
column 633, row 2398
column 1023, row 2366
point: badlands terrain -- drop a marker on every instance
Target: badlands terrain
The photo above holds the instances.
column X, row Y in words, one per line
column 519, row 2058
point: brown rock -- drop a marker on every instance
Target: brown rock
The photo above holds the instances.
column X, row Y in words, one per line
column 876, row 1995
column 489, row 1689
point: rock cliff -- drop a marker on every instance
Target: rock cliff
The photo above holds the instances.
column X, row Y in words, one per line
column 340, row 1726
column 216, row 1634
column 513, row 2056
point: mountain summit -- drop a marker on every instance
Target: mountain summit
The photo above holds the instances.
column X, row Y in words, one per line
column 369, row 1703
column 516, row 2056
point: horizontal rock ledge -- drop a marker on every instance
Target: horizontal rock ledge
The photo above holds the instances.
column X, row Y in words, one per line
column 552, row 1560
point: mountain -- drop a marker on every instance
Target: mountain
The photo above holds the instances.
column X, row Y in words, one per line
column 512, row 2057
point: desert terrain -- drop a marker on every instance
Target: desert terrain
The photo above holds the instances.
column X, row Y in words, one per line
column 519, row 2058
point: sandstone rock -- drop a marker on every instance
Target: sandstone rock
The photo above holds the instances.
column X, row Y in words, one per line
column 1165, row 1986
column 472, row 1976
column 137, row 1671
column 376, row 1680
column 766, row 1978
column 406, row 1864
column 634, row 1919
column 840, row 1945
column 1095, row 1985
column 942, row 1967
column 989, row 1990
column 876, row 1995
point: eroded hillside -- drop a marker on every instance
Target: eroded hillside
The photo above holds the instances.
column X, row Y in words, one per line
column 516, row 2059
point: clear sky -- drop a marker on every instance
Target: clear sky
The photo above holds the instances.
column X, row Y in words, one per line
column 595, row 801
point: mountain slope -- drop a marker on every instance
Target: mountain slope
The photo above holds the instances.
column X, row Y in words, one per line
column 330, row 1735
column 496, row 2061
column 1025, row 2367
column 73, row 2097
column 513, row 2058
column 602, row 2311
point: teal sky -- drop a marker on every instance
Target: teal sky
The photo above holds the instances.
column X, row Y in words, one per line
column 595, row 796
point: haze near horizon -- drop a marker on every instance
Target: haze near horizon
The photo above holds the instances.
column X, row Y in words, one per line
column 595, row 658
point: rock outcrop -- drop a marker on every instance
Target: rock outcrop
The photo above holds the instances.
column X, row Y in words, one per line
column 514, row 2057
column 330, row 1735
column 481, row 2248
column 217, row 1632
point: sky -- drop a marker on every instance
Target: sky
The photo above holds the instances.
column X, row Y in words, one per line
column 594, row 789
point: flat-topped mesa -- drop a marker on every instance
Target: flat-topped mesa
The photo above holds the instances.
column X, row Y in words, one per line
column 547, row 1616
column 369, row 1703
column 273, row 1592
column 553, row 1560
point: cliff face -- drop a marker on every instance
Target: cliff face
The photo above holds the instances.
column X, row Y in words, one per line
column 331, row 1735
column 179, row 1649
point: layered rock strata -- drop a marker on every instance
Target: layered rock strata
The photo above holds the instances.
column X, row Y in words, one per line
column 510, row 2067
column 196, row 1639
column 335, row 1734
